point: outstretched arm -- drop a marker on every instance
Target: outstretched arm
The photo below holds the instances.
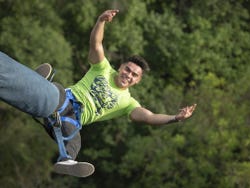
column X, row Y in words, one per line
column 144, row 115
column 96, row 52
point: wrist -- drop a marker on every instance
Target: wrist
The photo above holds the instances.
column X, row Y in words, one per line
column 101, row 19
column 176, row 118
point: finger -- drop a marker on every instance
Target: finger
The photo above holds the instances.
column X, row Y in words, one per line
column 193, row 107
column 114, row 12
column 182, row 109
column 188, row 108
column 184, row 112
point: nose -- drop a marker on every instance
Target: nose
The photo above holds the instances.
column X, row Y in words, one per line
column 130, row 74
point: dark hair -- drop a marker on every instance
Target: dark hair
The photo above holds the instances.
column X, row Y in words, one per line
column 140, row 61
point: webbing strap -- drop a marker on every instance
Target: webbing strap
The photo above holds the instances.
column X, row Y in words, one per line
column 76, row 108
column 65, row 104
column 60, row 143
column 71, row 121
column 57, row 128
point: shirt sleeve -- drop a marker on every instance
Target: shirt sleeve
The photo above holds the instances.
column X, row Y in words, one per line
column 104, row 64
column 133, row 104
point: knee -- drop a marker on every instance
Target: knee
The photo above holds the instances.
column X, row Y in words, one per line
column 62, row 94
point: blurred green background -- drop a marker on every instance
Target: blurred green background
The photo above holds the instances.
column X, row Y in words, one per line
column 198, row 51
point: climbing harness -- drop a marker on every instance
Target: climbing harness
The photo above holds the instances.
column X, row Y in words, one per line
column 56, row 119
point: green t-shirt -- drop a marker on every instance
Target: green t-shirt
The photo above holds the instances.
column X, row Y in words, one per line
column 101, row 98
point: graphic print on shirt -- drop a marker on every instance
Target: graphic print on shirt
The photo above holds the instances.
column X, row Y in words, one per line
column 102, row 94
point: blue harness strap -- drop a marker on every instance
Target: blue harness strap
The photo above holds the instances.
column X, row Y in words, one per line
column 57, row 119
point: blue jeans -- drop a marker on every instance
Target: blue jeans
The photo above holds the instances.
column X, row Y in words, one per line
column 25, row 89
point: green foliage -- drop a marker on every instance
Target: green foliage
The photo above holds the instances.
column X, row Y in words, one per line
column 198, row 52
column 24, row 151
column 39, row 38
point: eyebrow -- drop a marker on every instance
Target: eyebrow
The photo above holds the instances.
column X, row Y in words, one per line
column 134, row 73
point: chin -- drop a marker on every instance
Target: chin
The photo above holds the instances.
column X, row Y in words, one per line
column 124, row 86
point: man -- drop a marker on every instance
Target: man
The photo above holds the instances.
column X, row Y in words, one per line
column 129, row 74
column 101, row 94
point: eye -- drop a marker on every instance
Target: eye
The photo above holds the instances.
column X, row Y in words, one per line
column 135, row 75
column 127, row 69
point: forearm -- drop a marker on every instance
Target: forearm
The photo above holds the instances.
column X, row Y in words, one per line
column 96, row 52
column 97, row 34
column 143, row 115
column 160, row 119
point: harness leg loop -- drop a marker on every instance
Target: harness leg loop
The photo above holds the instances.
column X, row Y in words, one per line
column 56, row 122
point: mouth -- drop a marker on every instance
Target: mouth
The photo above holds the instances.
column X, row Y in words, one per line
column 125, row 80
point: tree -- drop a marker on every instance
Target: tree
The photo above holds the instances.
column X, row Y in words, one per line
column 198, row 52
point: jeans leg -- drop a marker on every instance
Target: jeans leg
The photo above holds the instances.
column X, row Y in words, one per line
column 26, row 90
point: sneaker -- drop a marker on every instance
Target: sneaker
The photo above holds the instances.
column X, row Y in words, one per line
column 46, row 71
column 67, row 162
column 74, row 168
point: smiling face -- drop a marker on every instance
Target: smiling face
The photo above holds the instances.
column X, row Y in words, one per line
column 129, row 74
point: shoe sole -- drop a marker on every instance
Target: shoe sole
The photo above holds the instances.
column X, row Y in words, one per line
column 80, row 169
column 46, row 71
